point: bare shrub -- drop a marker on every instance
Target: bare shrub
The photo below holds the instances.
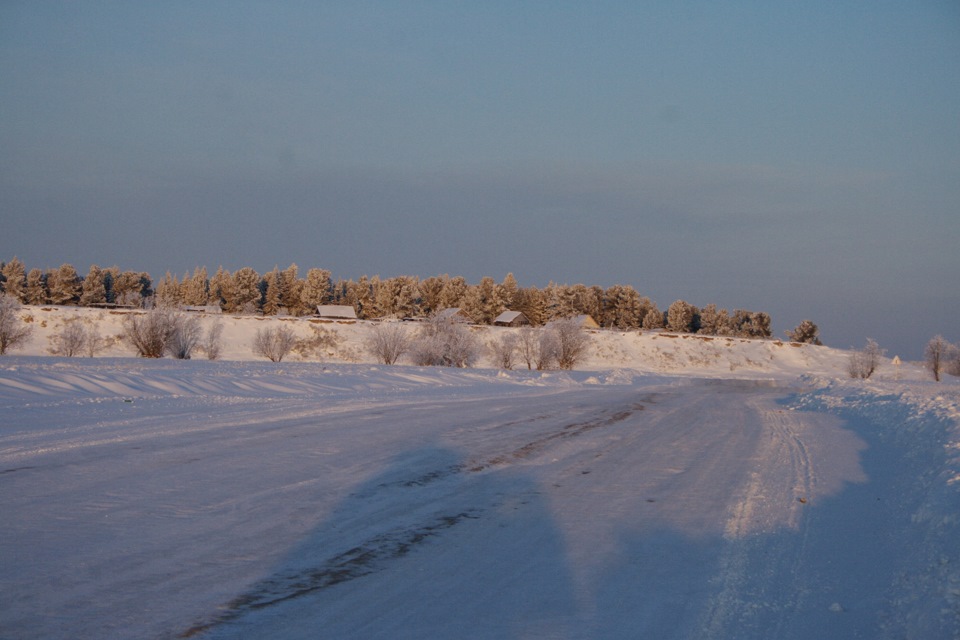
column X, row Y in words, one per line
column 274, row 344
column 71, row 340
column 505, row 350
column 936, row 355
column 570, row 342
column 185, row 336
column 528, row 345
column 149, row 333
column 864, row 362
column 212, row 342
column 548, row 349
column 387, row 342
column 13, row 332
column 444, row 342
column 95, row 343
column 321, row 339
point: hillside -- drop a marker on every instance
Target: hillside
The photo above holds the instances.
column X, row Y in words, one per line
column 641, row 351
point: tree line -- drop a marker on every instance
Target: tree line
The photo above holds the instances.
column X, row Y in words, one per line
column 245, row 291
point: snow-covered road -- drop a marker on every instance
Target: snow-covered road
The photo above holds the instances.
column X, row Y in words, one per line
column 375, row 504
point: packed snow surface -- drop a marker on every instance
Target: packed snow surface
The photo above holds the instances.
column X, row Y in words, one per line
column 240, row 499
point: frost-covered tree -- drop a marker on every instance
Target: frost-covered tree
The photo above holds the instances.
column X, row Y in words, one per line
column 528, row 346
column 680, row 316
column 454, row 290
column 274, row 343
column 14, row 333
column 532, row 303
column 14, row 277
column 185, row 337
column 622, row 308
column 292, row 289
column 148, row 333
column 37, row 292
column 508, row 291
column 398, row 297
column 935, row 354
column 94, row 288
column 195, row 289
column 482, row 302
column 71, row 340
column 387, row 342
column 246, row 291
column 212, row 342
column 571, row 341
column 273, row 293
column 168, row 292
column 316, row 290
column 807, row 332
column 131, row 287
column 444, row 341
column 653, row 319
column 708, row 320
column 504, row 350
column 64, row 285
column 431, row 293
column 864, row 362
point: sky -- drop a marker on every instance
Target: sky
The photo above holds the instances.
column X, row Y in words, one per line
column 798, row 158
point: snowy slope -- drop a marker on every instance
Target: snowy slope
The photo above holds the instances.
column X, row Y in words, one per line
column 648, row 352
column 688, row 489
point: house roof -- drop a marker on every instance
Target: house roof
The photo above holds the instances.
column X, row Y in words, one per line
column 337, row 311
column 508, row 316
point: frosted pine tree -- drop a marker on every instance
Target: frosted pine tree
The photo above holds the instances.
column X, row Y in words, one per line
column 316, row 289
column 221, row 288
column 680, row 316
column 291, row 290
column 15, row 279
column 246, row 283
column 93, row 289
column 195, row 289
column 64, row 285
column 36, row 292
column 508, row 291
column 653, row 318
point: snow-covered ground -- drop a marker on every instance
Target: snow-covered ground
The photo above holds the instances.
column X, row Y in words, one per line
column 669, row 488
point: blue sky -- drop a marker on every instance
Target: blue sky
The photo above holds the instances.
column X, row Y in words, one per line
column 797, row 158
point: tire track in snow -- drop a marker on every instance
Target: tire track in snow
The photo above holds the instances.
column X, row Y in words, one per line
column 774, row 495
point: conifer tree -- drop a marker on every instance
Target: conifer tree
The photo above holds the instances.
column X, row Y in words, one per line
column 93, row 289
column 14, row 277
column 64, row 285
column 36, row 292
column 316, row 290
column 246, row 288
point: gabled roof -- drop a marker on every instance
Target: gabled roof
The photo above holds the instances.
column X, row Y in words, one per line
column 453, row 314
column 343, row 311
column 509, row 317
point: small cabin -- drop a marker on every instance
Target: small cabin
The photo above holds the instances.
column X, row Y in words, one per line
column 337, row 312
column 511, row 319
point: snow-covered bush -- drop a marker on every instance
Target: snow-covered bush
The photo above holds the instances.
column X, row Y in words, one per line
column 274, row 344
column 212, row 344
column 937, row 354
column 505, row 350
column 13, row 332
column 528, row 345
column 387, row 342
column 807, row 331
column 445, row 342
column 149, row 333
column 571, row 341
column 864, row 362
column 185, row 336
column 71, row 340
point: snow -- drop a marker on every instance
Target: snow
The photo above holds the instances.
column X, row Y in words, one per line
column 670, row 487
